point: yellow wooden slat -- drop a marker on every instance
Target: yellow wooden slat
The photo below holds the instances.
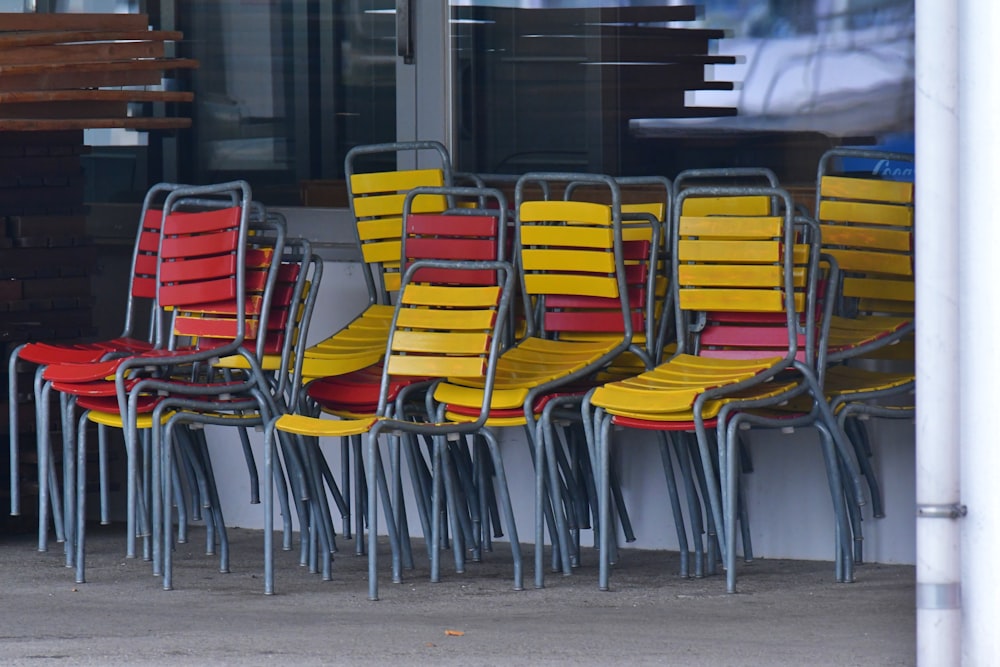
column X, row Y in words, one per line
column 441, row 342
column 382, row 251
column 576, row 285
column 578, row 212
column 740, row 300
column 449, row 296
column 732, row 227
column 378, row 229
column 800, row 254
column 738, row 205
column 897, row 290
column 436, row 318
column 756, row 252
column 869, row 189
column 861, row 212
column 392, row 281
column 566, row 236
column 872, row 262
column 395, row 181
column 568, row 260
column 867, row 237
column 436, row 366
column 730, row 275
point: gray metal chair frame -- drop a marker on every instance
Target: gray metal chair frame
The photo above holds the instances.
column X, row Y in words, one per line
column 389, row 424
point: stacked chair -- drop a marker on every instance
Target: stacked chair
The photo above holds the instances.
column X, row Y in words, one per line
column 697, row 314
column 474, row 230
column 225, row 287
column 743, row 286
column 440, row 328
column 867, row 228
column 355, row 350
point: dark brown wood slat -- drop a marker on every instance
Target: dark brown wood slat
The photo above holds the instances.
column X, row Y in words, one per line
column 96, row 52
column 58, row 80
column 74, row 109
column 10, row 40
column 39, row 125
column 157, row 64
column 88, row 94
column 24, row 22
column 88, row 75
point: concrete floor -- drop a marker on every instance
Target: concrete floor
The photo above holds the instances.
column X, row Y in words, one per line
column 787, row 613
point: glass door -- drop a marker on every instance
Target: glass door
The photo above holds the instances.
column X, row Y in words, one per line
column 286, row 87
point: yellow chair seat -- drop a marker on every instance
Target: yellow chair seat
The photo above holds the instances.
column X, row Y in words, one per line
column 332, row 428
column 114, row 419
column 846, row 333
column 711, row 409
column 530, row 364
column 672, row 387
column 270, row 362
column 842, row 381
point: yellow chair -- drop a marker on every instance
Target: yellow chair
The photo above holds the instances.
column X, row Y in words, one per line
column 376, row 199
column 580, row 314
column 741, row 284
column 437, row 330
column 867, row 227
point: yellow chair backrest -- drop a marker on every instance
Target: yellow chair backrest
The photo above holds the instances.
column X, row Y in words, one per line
column 867, row 225
column 377, row 202
column 444, row 330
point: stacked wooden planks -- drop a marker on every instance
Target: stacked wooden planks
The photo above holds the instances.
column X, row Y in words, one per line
column 61, row 74
column 80, row 71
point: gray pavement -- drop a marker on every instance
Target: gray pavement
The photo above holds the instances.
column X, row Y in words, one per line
column 787, row 613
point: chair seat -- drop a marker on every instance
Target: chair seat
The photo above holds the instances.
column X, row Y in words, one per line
column 359, row 345
column 80, row 353
column 357, row 391
column 848, row 334
column 532, row 363
column 316, row 427
column 113, row 419
column 668, row 392
column 843, row 381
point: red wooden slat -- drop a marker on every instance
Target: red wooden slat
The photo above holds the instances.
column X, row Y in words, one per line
column 589, row 320
column 200, row 292
column 201, row 222
column 451, row 225
column 451, row 248
column 183, row 247
column 201, row 268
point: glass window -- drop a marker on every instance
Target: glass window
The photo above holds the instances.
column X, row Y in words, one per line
column 285, row 88
column 654, row 87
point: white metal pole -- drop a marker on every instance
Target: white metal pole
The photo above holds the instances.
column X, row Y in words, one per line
column 939, row 614
column 979, row 317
